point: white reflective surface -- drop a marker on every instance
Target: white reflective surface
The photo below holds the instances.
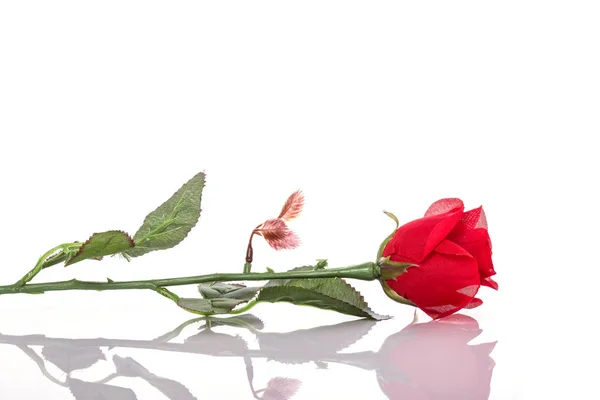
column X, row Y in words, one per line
column 107, row 108
column 240, row 357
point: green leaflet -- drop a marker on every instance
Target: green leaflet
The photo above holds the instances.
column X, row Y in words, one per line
column 218, row 298
column 209, row 306
column 102, row 244
column 227, row 290
column 326, row 293
column 170, row 223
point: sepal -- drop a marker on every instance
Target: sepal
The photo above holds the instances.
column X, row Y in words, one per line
column 395, row 296
column 390, row 236
column 390, row 270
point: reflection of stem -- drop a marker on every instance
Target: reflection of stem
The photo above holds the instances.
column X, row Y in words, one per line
column 362, row 360
column 250, row 375
column 108, row 378
column 177, row 331
column 415, row 318
column 40, row 363
column 231, row 321
column 276, row 349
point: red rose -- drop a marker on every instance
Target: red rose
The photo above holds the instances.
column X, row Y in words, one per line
column 434, row 361
column 453, row 254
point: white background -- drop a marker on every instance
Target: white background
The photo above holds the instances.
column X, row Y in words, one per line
column 106, row 108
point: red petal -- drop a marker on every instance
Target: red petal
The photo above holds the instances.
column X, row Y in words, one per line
column 443, row 206
column 489, row 282
column 451, row 248
column 415, row 240
column 444, row 282
column 474, row 303
column 475, row 218
column 477, row 243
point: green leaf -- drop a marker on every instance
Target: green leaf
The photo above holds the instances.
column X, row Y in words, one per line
column 326, row 293
column 209, row 306
column 102, row 244
column 54, row 259
column 227, row 290
column 219, row 298
column 170, row 223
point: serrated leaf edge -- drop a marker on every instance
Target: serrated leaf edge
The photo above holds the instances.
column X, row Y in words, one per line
column 367, row 309
column 165, row 202
column 87, row 242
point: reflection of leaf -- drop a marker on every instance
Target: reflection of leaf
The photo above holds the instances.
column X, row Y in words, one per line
column 326, row 293
column 313, row 344
column 227, row 290
column 98, row 391
column 281, row 389
column 102, row 244
column 217, row 344
column 244, row 321
column 127, row 366
column 170, row 223
column 70, row 358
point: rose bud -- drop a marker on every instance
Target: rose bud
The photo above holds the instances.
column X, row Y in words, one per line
column 438, row 263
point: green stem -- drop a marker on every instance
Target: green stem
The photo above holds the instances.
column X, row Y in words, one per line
column 367, row 271
column 248, row 306
column 167, row 293
column 41, row 264
column 247, row 267
column 55, row 260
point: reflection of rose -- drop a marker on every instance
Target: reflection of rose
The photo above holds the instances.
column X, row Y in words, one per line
column 423, row 361
column 434, row 361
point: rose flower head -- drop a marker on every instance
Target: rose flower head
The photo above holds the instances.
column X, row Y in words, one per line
column 442, row 259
